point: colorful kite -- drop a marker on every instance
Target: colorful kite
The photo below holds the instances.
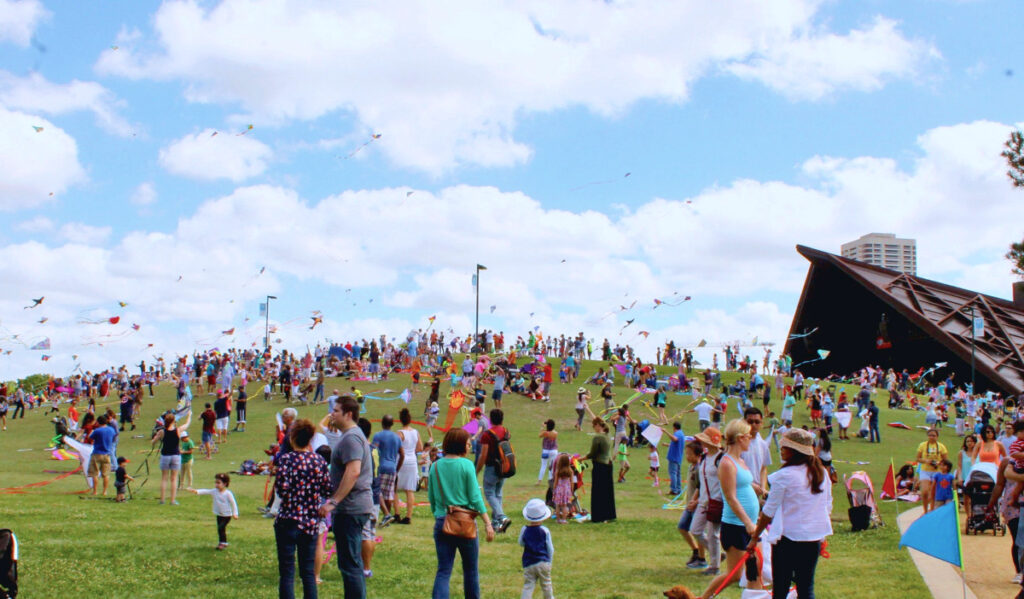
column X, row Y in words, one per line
column 230, row 331
column 111, row 320
column 38, row 129
column 45, row 357
column 644, row 333
column 122, row 304
column 628, row 322
column 44, row 344
column 43, row 320
column 35, row 303
column 135, row 326
column 658, row 302
column 822, row 354
column 372, row 139
column 316, row 320
column 247, row 129
column 806, row 333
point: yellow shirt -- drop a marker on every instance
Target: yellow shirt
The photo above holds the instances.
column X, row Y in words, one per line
column 931, row 451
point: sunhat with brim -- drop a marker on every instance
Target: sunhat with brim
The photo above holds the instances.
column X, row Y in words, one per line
column 183, row 434
column 798, row 440
column 711, row 436
column 581, row 390
column 536, row 510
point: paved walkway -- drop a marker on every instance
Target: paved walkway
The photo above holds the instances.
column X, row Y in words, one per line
column 988, row 566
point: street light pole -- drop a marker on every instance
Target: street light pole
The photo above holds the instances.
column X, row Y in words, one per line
column 476, row 328
column 266, row 330
column 971, row 309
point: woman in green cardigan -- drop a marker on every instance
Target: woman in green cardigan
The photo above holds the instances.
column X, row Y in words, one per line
column 602, row 493
column 452, row 481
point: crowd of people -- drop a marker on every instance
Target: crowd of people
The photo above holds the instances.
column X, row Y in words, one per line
column 326, row 479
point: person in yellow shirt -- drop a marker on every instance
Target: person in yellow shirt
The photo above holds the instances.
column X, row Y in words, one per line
column 930, row 455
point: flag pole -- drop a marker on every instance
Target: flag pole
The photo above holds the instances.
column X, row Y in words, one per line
column 959, row 539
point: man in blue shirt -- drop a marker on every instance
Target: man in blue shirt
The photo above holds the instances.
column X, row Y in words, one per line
column 675, row 458
column 389, row 449
column 102, row 438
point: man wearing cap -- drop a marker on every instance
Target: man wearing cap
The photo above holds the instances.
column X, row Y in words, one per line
column 538, row 550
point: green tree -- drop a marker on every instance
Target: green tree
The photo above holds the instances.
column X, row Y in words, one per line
column 1014, row 154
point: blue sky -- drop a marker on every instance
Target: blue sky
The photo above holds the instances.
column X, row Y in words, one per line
column 746, row 128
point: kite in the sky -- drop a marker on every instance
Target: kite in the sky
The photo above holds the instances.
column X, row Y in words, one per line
column 628, row 322
column 135, row 326
column 493, row 308
column 372, row 139
column 600, row 182
column 658, row 302
column 806, row 333
column 624, row 308
column 122, row 304
column 644, row 333
column 822, row 354
column 43, row 320
column 111, row 320
column 38, row 129
column 247, row 129
column 230, row 331
column 45, row 357
column 316, row 320
column 35, row 303
column 409, row 193
column 702, row 343
column 44, row 344
column 179, row 279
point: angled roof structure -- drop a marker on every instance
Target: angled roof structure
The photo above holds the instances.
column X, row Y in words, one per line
column 847, row 305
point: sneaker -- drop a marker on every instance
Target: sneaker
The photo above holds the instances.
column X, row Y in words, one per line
column 175, row 503
column 385, row 521
column 403, row 521
column 697, row 564
column 367, row 573
column 710, row 572
column 263, row 509
column 504, row 524
column 1016, row 579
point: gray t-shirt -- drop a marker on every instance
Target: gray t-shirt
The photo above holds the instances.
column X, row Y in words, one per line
column 351, row 447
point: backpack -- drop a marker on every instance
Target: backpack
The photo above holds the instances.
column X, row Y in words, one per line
column 506, row 458
column 8, row 564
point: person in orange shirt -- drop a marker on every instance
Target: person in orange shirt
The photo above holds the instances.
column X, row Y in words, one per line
column 73, row 414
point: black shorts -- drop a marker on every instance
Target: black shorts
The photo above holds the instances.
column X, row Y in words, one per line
column 734, row 536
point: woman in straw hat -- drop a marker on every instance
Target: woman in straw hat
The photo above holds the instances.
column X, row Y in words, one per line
column 798, row 507
column 706, row 523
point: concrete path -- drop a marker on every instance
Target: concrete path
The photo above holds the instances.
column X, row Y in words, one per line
column 988, row 566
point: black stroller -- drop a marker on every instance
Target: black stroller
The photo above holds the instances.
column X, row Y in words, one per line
column 981, row 483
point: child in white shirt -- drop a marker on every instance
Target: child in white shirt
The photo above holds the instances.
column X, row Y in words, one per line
column 655, row 464
column 224, row 506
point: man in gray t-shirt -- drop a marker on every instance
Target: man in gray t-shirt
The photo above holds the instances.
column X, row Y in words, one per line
column 352, row 501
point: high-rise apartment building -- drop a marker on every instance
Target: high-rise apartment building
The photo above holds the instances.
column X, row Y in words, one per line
column 885, row 250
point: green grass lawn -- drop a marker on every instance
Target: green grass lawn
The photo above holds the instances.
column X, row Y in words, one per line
column 72, row 546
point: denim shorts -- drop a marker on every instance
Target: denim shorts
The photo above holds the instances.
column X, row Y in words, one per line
column 685, row 520
column 170, row 462
column 926, row 476
column 207, row 437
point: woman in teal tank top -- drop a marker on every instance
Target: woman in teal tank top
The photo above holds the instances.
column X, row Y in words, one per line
column 739, row 514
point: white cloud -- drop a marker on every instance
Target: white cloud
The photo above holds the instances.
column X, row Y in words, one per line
column 144, row 194
column 37, row 166
column 38, row 224
column 80, row 233
column 210, row 155
column 34, row 93
column 18, row 20
column 728, row 247
column 447, row 90
column 810, row 65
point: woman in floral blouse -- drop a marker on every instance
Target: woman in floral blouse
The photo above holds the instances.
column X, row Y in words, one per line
column 303, row 484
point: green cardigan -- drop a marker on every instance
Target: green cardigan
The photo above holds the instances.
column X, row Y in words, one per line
column 601, row 449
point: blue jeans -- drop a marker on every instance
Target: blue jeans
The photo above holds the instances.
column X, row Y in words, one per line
column 675, row 477
column 873, row 435
column 289, row 539
column 446, row 546
column 348, row 541
column 493, row 486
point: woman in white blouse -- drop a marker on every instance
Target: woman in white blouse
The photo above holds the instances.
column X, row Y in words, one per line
column 798, row 508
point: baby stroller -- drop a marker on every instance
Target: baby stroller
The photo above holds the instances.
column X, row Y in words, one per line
column 981, row 482
column 863, row 511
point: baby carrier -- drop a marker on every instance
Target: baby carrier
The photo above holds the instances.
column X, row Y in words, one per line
column 863, row 511
column 981, row 482
column 8, row 564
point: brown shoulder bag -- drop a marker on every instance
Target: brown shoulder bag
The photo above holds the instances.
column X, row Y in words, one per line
column 458, row 522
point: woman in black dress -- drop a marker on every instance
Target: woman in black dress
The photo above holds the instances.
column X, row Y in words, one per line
column 602, row 497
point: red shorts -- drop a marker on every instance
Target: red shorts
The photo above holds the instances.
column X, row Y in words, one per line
column 816, row 414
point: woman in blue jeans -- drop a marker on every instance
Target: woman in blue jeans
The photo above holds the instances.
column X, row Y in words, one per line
column 303, row 483
column 453, row 482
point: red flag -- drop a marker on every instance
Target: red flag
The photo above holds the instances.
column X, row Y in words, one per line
column 889, row 486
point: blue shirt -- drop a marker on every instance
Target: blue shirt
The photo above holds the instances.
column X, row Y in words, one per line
column 102, row 440
column 537, row 546
column 745, row 494
column 943, row 486
column 388, row 445
column 675, row 447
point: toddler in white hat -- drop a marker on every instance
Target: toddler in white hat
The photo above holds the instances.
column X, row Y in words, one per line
column 538, row 550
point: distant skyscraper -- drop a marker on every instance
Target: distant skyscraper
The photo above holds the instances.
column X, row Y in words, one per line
column 885, row 250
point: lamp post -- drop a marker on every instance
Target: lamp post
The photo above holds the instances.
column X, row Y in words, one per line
column 266, row 330
column 476, row 280
column 970, row 309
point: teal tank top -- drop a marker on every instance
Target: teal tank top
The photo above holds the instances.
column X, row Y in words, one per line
column 745, row 494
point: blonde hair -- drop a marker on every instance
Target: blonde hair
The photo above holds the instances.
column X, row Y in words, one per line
column 734, row 430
